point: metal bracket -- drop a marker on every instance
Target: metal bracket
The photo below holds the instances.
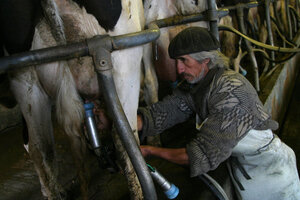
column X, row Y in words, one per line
column 100, row 48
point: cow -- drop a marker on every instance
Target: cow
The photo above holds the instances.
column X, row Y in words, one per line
column 67, row 84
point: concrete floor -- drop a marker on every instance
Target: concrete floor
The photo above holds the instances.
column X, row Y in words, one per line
column 19, row 181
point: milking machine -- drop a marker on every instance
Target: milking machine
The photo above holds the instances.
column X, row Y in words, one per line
column 91, row 128
column 169, row 189
column 104, row 153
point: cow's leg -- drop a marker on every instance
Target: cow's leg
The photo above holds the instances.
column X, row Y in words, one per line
column 150, row 84
column 150, row 79
column 58, row 81
column 69, row 111
column 36, row 109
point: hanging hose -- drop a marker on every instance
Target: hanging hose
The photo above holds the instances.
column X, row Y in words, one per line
column 295, row 12
column 295, row 17
column 264, row 54
column 282, row 60
column 269, row 28
column 281, row 28
column 286, row 40
column 287, row 12
column 252, row 29
column 260, row 44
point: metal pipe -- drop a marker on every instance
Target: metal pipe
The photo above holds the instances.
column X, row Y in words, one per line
column 278, row 19
column 288, row 16
column 40, row 56
column 213, row 18
column 295, row 20
column 178, row 20
column 240, row 14
column 269, row 28
column 103, row 67
column 242, row 5
column 91, row 126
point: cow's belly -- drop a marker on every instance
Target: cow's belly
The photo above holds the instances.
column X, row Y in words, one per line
column 126, row 63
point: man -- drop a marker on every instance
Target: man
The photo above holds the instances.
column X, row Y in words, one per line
column 230, row 118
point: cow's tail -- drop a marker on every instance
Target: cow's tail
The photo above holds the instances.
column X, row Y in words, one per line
column 52, row 16
column 70, row 114
column 69, row 107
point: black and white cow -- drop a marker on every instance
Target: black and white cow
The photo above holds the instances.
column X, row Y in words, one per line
column 34, row 24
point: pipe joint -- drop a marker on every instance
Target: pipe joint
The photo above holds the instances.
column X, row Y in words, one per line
column 100, row 48
column 211, row 15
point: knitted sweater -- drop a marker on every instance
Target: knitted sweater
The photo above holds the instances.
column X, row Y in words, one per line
column 227, row 106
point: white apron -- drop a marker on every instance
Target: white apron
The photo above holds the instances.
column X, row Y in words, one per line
column 271, row 165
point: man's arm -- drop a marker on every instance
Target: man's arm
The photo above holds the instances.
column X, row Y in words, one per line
column 178, row 156
column 164, row 114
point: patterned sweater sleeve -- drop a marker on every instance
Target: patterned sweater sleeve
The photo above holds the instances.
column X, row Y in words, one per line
column 164, row 114
column 228, row 119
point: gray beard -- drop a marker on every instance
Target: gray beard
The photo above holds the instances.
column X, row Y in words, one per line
column 198, row 78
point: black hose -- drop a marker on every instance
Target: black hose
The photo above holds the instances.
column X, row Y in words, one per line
column 280, row 61
column 213, row 188
column 251, row 27
column 295, row 18
column 281, row 32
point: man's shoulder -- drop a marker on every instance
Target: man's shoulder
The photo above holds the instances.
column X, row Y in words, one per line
column 229, row 75
column 230, row 81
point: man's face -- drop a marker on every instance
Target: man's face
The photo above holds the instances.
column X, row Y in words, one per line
column 190, row 69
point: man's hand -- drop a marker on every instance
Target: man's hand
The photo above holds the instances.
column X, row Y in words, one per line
column 146, row 150
column 178, row 156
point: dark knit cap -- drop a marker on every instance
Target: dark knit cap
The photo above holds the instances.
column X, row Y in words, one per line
column 192, row 40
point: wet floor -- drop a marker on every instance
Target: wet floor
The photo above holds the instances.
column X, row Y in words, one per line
column 18, row 179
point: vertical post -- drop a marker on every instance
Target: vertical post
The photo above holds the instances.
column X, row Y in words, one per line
column 288, row 16
column 269, row 28
column 213, row 16
column 240, row 14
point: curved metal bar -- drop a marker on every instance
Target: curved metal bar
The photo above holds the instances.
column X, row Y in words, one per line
column 103, row 66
